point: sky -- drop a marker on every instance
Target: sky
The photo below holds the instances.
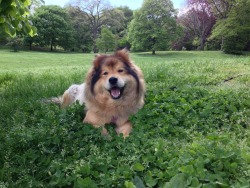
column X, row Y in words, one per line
column 132, row 4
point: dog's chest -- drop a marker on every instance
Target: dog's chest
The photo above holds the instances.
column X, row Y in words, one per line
column 114, row 119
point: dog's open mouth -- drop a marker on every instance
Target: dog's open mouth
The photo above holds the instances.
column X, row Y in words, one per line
column 116, row 92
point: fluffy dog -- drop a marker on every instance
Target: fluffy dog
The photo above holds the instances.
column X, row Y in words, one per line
column 73, row 94
column 113, row 90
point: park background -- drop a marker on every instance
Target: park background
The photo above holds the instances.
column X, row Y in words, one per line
column 194, row 129
column 98, row 26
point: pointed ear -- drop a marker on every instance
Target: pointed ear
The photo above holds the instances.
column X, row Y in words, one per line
column 124, row 56
column 99, row 58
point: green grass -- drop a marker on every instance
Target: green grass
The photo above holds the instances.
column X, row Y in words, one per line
column 194, row 130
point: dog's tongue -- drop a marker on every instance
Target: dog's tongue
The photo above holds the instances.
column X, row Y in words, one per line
column 115, row 92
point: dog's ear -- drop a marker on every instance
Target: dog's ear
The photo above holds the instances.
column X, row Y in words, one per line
column 124, row 56
column 99, row 58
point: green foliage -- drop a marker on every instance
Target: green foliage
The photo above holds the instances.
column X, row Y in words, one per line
column 235, row 29
column 53, row 27
column 106, row 42
column 124, row 43
column 15, row 43
column 14, row 17
column 193, row 131
column 117, row 19
column 81, row 30
column 153, row 26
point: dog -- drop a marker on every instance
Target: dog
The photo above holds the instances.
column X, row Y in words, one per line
column 114, row 89
column 73, row 94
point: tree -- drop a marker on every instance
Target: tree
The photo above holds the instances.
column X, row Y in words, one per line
column 53, row 27
column 81, row 30
column 35, row 4
column 117, row 20
column 153, row 26
column 198, row 21
column 221, row 8
column 95, row 11
column 15, row 43
column 14, row 17
column 235, row 29
column 106, row 42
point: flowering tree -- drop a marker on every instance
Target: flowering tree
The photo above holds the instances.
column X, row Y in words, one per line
column 221, row 8
column 198, row 20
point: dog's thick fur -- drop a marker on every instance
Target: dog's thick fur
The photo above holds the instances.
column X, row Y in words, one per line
column 113, row 90
column 73, row 94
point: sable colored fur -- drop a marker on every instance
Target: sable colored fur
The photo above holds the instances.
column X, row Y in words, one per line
column 114, row 90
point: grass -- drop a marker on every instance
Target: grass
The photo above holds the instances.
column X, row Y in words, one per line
column 194, row 130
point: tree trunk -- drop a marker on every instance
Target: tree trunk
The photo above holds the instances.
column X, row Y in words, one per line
column 30, row 43
column 153, row 52
column 202, row 43
column 222, row 43
column 51, row 45
column 95, row 36
column 95, row 50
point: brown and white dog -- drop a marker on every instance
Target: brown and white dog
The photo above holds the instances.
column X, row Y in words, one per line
column 113, row 90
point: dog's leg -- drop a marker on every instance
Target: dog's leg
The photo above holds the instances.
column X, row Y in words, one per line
column 95, row 121
column 67, row 99
column 124, row 128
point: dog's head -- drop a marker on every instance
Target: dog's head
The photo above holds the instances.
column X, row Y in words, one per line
column 114, row 75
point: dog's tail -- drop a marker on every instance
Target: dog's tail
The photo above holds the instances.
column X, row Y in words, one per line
column 71, row 95
column 62, row 101
column 54, row 100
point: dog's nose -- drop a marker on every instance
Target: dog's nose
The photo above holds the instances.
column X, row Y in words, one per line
column 113, row 80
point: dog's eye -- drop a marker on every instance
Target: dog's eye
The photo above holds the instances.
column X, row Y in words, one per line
column 120, row 70
column 105, row 73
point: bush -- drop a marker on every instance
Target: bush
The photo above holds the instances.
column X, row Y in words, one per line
column 234, row 44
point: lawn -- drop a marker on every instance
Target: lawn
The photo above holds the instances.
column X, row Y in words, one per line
column 194, row 130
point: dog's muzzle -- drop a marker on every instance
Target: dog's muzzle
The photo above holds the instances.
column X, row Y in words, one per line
column 115, row 90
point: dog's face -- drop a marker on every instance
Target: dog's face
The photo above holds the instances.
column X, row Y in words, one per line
column 114, row 76
column 114, row 90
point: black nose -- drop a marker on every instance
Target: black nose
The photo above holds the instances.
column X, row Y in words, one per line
column 113, row 80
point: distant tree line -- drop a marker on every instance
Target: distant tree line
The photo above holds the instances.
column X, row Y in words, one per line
column 94, row 25
column 216, row 24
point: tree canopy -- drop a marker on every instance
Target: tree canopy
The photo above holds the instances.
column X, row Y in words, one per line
column 14, row 17
column 53, row 26
column 201, row 25
column 235, row 29
column 81, row 31
column 106, row 42
column 220, row 24
column 95, row 11
column 153, row 26
column 198, row 21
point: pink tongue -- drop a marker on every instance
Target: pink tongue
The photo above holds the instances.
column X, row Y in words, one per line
column 115, row 92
